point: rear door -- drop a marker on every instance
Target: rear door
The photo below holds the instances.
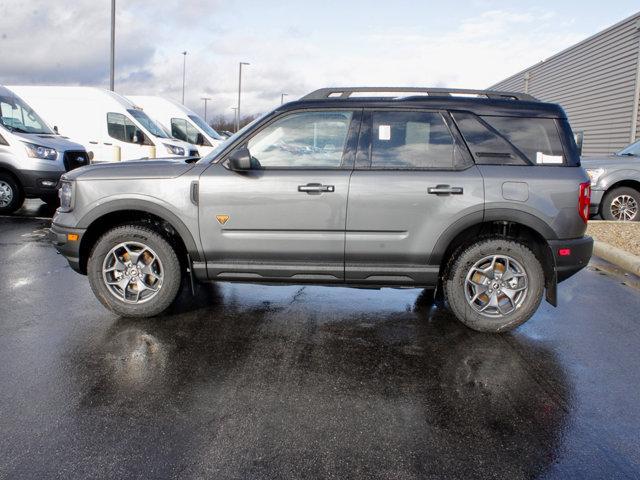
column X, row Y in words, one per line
column 413, row 179
column 285, row 218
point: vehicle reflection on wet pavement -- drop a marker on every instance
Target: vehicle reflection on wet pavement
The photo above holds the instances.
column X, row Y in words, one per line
column 248, row 381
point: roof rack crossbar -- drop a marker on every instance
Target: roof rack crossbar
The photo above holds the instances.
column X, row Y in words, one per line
column 347, row 92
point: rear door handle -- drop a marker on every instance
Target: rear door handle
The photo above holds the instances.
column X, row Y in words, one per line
column 445, row 190
column 316, row 188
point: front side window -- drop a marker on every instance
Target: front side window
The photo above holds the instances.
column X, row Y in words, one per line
column 631, row 150
column 17, row 116
column 120, row 127
column 185, row 131
column 409, row 140
column 307, row 140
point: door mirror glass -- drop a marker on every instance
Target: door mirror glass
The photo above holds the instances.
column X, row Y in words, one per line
column 239, row 160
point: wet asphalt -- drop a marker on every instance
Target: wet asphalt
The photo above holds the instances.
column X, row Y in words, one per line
column 245, row 381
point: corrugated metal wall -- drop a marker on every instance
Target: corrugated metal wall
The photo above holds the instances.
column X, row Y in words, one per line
column 595, row 82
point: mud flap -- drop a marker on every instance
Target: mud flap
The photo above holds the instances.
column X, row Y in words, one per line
column 552, row 281
column 192, row 281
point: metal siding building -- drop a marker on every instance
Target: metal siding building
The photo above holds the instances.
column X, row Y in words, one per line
column 597, row 81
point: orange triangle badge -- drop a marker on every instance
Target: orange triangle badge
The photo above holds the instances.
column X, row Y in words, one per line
column 222, row 219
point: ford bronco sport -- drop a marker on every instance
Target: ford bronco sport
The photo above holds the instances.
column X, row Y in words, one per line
column 478, row 194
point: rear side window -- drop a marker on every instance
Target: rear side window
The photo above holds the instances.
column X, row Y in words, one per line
column 407, row 140
column 511, row 140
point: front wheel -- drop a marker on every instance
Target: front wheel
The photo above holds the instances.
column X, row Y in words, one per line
column 623, row 204
column 11, row 196
column 134, row 271
column 494, row 285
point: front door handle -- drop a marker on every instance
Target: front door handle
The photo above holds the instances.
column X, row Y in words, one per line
column 316, row 188
column 445, row 190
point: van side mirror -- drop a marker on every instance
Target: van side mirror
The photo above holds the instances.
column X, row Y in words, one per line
column 579, row 138
column 239, row 160
column 138, row 137
column 55, row 129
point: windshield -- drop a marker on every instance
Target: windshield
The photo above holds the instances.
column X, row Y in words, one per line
column 150, row 125
column 205, row 127
column 221, row 146
column 18, row 117
column 633, row 149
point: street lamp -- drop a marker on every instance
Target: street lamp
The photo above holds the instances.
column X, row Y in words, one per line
column 112, row 70
column 282, row 95
column 235, row 115
column 239, row 94
column 184, row 69
column 206, row 99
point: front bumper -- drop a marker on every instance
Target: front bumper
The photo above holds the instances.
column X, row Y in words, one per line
column 580, row 253
column 38, row 183
column 63, row 239
column 596, row 199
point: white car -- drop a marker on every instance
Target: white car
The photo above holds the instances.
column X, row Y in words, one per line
column 183, row 123
column 107, row 124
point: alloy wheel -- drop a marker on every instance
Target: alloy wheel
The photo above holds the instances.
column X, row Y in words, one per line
column 6, row 194
column 624, row 208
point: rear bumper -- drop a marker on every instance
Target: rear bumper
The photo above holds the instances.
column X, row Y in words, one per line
column 580, row 253
column 59, row 236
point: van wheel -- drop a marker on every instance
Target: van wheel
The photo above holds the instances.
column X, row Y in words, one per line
column 622, row 203
column 494, row 285
column 134, row 271
column 11, row 195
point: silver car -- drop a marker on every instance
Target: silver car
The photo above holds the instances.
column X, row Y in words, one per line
column 482, row 198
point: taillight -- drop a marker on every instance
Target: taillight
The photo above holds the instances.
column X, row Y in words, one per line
column 584, row 201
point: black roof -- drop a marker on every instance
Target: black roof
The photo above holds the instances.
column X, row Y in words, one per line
column 485, row 102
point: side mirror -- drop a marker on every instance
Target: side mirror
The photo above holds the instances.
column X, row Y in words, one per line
column 579, row 138
column 55, row 129
column 239, row 160
column 138, row 137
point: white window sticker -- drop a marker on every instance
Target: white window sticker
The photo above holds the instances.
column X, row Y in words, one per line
column 384, row 132
column 542, row 159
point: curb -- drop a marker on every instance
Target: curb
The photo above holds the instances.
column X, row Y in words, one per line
column 625, row 260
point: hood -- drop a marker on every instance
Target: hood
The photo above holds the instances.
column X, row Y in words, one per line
column 609, row 161
column 132, row 169
column 58, row 142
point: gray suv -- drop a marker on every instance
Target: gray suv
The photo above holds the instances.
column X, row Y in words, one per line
column 480, row 197
column 615, row 181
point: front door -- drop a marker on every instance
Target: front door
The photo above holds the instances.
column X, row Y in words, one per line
column 413, row 180
column 283, row 220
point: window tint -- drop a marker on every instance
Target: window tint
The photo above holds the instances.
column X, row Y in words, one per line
column 411, row 140
column 487, row 147
column 536, row 138
column 120, row 127
column 310, row 139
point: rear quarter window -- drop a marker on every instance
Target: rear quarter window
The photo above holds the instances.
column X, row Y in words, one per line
column 496, row 140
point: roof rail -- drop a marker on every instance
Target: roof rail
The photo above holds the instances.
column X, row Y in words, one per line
column 347, row 92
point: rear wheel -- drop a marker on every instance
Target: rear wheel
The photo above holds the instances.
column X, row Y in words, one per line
column 623, row 204
column 11, row 195
column 134, row 271
column 494, row 285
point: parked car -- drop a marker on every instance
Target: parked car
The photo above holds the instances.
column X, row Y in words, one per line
column 183, row 123
column 483, row 198
column 32, row 156
column 615, row 184
column 107, row 124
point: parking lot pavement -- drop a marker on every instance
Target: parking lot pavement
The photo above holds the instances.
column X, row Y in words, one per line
column 246, row 381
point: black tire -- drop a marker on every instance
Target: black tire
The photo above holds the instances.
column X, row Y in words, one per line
column 14, row 191
column 171, row 282
column 632, row 197
column 455, row 286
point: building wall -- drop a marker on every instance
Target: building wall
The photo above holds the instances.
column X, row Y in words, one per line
column 596, row 83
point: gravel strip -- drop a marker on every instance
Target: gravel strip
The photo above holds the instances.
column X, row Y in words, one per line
column 624, row 235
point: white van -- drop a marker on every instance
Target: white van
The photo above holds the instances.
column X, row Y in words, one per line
column 32, row 156
column 184, row 124
column 107, row 124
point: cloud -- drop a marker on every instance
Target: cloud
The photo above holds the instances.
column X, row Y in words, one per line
column 44, row 43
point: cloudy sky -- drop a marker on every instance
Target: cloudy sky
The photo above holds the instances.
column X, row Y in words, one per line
column 293, row 46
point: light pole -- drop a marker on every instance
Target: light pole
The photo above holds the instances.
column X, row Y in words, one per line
column 184, row 70
column 112, row 70
column 282, row 95
column 239, row 94
column 235, row 115
column 206, row 99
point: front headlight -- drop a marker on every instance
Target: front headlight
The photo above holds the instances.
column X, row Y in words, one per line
column 38, row 151
column 595, row 174
column 66, row 196
column 174, row 150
